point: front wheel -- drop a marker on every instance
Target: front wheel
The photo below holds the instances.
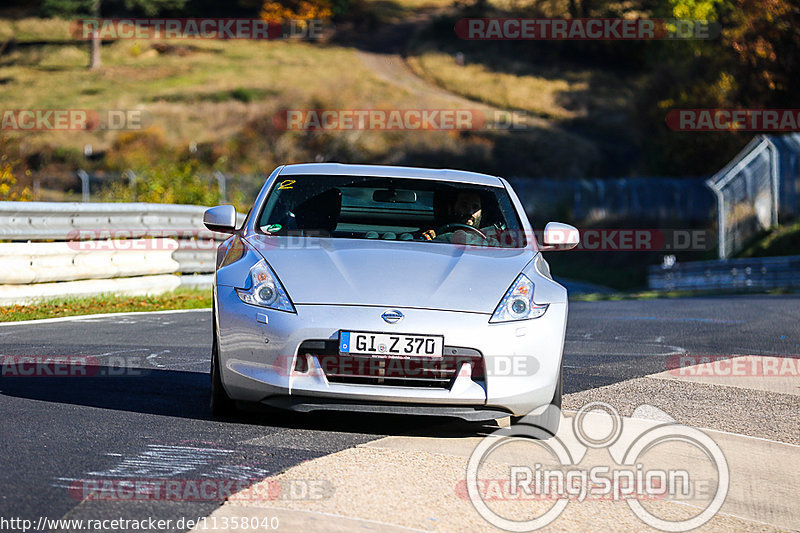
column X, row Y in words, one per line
column 221, row 404
column 550, row 420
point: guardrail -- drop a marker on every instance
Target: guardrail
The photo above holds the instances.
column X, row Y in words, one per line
column 102, row 248
column 62, row 221
column 734, row 274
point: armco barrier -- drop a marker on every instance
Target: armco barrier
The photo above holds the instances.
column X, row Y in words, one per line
column 102, row 248
column 58, row 221
column 735, row 274
column 40, row 262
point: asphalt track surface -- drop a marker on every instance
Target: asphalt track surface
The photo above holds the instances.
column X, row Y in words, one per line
column 155, row 422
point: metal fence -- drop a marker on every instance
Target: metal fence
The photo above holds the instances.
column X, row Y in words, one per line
column 788, row 172
column 759, row 187
column 577, row 200
column 92, row 183
column 655, row 199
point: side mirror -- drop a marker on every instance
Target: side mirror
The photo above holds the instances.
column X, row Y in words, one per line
column 559, row 236
column 221, row 218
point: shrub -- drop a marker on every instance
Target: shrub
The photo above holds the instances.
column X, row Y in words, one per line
column 9, row 190
column 173, row 183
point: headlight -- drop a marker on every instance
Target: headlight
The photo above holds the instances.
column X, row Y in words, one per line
column 265, row 289
column 518, row 304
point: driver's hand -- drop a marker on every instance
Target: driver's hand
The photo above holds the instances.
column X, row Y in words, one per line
column 429, row 235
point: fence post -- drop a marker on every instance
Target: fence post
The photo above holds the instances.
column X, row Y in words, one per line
column 84, row 177
column 721, row 227
column 774, row 172
column 221, row 179
column 131, row 175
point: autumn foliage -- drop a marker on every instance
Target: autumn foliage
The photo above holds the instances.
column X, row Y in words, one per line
column 297, row 10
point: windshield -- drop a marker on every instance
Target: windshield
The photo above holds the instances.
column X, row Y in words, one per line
column 363, row 207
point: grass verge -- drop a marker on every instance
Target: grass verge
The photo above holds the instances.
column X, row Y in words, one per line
column 179, row 299
column 784, row 240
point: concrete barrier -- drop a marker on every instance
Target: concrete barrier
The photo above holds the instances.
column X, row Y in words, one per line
column 40, row 262
column 116, row 248
column 39, row 221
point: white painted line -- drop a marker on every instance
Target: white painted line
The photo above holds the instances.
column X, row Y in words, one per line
column 763, row 439
column 99, row 315
column 701, row 428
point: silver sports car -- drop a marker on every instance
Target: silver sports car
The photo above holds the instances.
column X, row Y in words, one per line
column 387, row 289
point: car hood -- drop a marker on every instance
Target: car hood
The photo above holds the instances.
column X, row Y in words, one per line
column 393, row 274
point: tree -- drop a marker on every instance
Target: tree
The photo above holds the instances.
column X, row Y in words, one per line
column 95, row 8
column 299, row 10
column 764, row 38
column 752, row 64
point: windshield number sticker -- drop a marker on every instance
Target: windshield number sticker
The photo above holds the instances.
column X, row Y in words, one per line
column 286, row 184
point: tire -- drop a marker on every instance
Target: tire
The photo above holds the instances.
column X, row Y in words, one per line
column 221, row 404
column 550, row 420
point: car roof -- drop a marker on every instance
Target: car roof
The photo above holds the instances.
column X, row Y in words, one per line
column 386, row 171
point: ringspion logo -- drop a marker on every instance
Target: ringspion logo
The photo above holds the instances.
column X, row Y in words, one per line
column 596, row 455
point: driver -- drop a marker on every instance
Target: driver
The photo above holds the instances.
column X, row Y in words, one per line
column 465, row 209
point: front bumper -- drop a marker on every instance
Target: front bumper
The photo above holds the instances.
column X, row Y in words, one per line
column 259, row 350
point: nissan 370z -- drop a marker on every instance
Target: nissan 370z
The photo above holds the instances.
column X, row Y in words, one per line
column 387, row 289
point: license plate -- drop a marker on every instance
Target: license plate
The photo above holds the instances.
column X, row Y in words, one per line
column 361, row 343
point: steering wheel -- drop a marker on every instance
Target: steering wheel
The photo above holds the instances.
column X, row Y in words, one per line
column 456, row 225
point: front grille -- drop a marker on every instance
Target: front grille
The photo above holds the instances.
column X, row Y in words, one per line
column 390, row 371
